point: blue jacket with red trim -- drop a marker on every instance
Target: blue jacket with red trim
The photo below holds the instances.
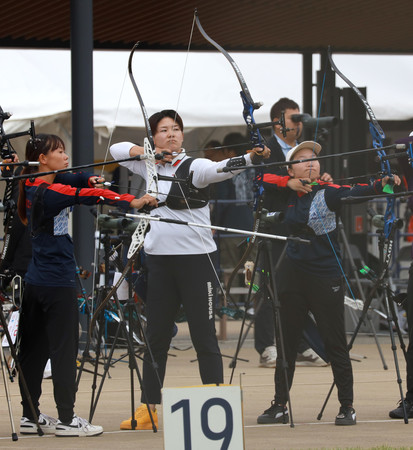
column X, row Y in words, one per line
column 53, row 262
column 313, row 216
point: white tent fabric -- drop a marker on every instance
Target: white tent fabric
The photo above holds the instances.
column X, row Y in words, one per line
column 35, row 84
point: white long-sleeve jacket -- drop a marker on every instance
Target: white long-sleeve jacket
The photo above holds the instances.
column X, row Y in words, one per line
column 173, row 239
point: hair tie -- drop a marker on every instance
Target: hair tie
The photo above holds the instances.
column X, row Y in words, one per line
column 34, row 141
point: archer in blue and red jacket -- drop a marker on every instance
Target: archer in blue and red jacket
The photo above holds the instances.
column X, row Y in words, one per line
column 49, row 323
column 310, row 278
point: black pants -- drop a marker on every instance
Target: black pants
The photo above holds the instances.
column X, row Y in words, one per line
column 301, row 292
column 49, row 328
column 264, row 322
column 409, row 353
column 174, row 280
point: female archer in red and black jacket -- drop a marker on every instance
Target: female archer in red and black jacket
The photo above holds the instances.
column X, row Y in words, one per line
column 49, row 315
column 311, row 213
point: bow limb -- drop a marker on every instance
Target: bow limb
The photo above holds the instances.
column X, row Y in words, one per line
column 138, row 236
column 378, row 138
column 380, row 134
column 138, row 94
column 249, row 106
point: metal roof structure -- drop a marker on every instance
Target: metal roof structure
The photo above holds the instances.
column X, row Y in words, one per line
column 351, row 26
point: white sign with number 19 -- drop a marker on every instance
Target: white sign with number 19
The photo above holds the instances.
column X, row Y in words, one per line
column 203, row 417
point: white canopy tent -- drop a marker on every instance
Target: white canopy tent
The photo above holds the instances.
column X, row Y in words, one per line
column 201, row 86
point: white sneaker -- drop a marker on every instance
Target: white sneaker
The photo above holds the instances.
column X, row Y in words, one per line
column 268, row 357
column 77, row 427
column 310, row 358
column 47, row 424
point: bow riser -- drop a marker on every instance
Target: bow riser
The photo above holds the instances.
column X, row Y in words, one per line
column 149, row 153
column 248, row 114
column 138, row 235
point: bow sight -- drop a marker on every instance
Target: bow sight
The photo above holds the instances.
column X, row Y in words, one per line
column 281, row 122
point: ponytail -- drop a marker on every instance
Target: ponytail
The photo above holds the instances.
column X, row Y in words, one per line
column 41, row 144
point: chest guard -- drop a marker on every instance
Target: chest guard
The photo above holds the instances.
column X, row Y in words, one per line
column 186, row 195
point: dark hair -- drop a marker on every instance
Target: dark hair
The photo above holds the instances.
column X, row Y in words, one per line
column 157, row 117
column 41, row 144
column 212, row 144
column 237, row 142
column 282, row 104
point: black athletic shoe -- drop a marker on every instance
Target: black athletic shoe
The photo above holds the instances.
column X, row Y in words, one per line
column 346, row 416
column 274, row 414
column 398, row 412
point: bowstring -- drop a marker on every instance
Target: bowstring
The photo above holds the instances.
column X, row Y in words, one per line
column 316, row 208
column 179, row 184
column 184, row 68
column 97, row 232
